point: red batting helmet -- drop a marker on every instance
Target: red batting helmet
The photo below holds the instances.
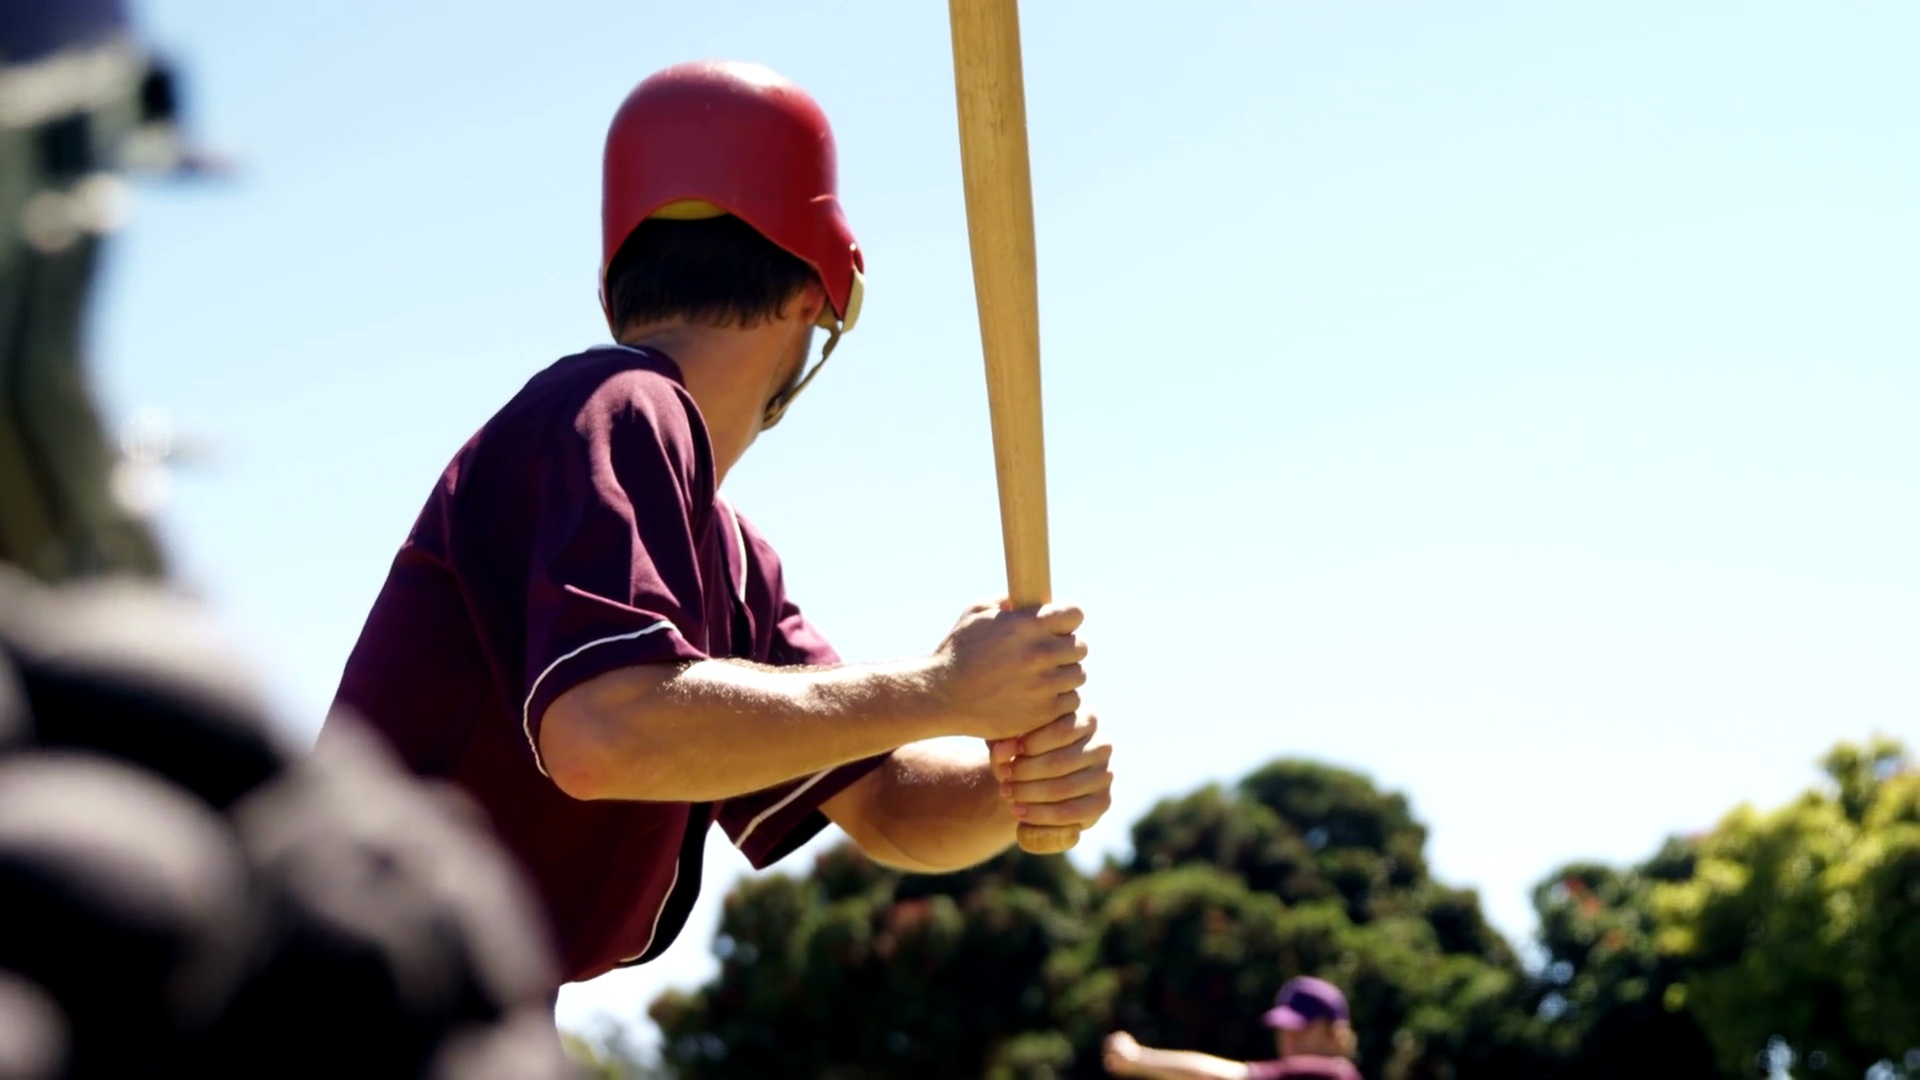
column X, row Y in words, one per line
column 718, row 137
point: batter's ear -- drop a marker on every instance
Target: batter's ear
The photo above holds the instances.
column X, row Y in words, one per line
column 808, row 303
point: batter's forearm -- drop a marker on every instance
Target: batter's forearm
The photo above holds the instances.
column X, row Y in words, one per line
column 932, row 808
column 716, row 729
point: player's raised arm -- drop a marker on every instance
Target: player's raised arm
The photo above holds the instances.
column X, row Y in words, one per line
column 1123, row 1056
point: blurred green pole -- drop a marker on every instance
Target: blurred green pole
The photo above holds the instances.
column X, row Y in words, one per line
column 65, row 124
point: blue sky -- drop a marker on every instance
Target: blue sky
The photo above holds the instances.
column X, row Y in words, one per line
column 1513, row 401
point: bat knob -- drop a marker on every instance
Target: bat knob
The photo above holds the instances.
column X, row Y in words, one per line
column 1048, row 839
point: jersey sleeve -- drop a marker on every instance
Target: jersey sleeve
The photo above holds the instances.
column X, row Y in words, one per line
column 797, row 642
column 613, row 578
column 769, row 825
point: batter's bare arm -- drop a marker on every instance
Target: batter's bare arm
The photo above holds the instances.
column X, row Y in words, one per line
column 716, row 729
column 939, row 807
column 933, row 808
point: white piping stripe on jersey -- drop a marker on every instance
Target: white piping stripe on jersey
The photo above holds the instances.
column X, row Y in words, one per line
column 779, row 806
column 740, row 544
column 526, row 709
column 658, row 912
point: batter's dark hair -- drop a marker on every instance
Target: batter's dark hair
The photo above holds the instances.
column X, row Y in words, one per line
column 718, row 271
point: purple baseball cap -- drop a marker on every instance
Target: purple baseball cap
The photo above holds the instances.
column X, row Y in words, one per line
column 1305, row 1000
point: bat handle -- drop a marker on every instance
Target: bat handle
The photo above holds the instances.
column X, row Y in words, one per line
column 1029, row 584
column 1039, row 839
column 1047, row 839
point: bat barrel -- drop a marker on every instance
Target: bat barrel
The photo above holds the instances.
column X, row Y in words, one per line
column 993, row 159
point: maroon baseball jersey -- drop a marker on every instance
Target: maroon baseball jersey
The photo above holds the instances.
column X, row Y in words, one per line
column 579, row 532
column 1303, row 1067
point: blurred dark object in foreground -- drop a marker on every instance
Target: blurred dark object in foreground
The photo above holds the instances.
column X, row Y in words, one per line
column 186, row 895
column 194, row 898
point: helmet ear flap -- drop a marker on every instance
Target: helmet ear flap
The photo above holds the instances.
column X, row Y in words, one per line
column 855, row 296
column 843, row 324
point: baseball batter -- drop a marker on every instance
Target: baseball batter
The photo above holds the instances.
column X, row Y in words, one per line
column 588, row 638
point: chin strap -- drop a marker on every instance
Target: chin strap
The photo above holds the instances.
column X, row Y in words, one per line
column 835, row 327
column 777, row 408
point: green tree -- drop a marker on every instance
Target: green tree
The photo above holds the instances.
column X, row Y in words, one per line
column 859, row 971
column 1803, row 925
column 1305, row 832
column 1300, row 868
column 613, row 1056
column 1607, row 1003
column 1020, row 968
column 1190, row 957
column 1796, row 928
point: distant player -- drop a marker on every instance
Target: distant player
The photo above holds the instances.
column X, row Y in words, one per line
column 584, row 634
column 1310, row 1025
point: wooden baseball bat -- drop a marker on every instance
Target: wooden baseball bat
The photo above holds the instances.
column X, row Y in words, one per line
column 993, row 161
